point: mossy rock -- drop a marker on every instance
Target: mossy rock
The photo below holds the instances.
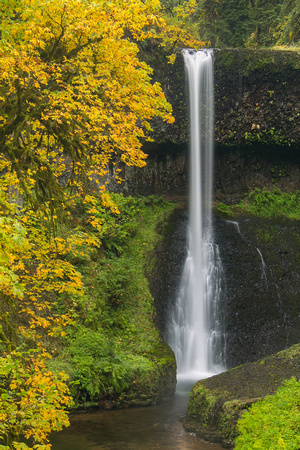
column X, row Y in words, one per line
column 216, row 403
column 150, row 387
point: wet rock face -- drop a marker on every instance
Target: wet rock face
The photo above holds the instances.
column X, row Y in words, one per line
column 237, row 171
column 256, row 97
column 240, row 170
column 261, row 260
column 170, row 257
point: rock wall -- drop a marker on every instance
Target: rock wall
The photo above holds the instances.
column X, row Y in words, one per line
column 257, row 97
column 261, row 308
column 257, row 125
column 257, row 145
column 239, row 170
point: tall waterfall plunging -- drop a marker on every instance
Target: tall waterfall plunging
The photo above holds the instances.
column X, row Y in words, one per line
column 194, row 330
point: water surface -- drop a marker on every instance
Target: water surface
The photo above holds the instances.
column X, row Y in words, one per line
column 133, row 428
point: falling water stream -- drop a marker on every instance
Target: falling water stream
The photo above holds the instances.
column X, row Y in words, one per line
column 194, row 330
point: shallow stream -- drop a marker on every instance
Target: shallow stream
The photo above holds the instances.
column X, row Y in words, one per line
column 133, row 428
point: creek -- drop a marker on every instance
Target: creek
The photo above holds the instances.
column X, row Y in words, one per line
column 139, row 428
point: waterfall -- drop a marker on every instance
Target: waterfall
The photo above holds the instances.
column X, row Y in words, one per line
column 195, row 332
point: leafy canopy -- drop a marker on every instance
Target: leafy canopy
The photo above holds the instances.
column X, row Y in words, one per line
column 74, row 95
column 228, row 23
column 75, row 100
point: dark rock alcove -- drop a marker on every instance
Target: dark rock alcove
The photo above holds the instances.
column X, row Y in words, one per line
column 261, row 310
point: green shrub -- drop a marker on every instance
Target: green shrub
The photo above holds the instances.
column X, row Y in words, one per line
column 112, row 341
column 273, row 423
column 272, row 204
column 224, row 210
column 99, row 367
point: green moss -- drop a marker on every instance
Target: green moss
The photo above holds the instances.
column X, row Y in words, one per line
column 274, row 422
column 272, row 136
column 113, row 351
column 224, row 210
column 217, row 403
column 201, row 404
column 264, row 203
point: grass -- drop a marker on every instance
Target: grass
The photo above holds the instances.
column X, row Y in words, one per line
column 264, row 203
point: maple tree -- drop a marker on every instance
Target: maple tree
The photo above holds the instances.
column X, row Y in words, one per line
column 74, row 97
column 32, row 273
column 75, row 103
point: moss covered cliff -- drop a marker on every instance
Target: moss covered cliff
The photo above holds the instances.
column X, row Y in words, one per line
column 217, row 403
column 113, row 351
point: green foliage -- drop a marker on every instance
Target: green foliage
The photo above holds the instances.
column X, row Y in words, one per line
column 257, row 136
column 289, row 27
column 228, row 23
column 272, row 204
column 113, row 338
column 273, row 423
column 264, row 203
column 99, row 367
column 223, row 209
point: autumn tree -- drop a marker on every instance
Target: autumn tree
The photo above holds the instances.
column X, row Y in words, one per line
column 32, row 274
column 74, row 95
column 74, row 100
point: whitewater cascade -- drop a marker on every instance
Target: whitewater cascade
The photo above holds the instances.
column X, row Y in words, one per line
column 194, row 329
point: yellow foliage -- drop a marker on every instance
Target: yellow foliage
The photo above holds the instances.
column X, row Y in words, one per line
column 33, row 399
column 177, row 34
column 73, row 86
column 74, row 98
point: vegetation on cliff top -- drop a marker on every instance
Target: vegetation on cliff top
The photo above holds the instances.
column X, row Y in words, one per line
column 227, row 23
column 264, row 203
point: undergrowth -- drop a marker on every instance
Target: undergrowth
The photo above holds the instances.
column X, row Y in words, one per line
column 273, row 423
column 113, row 336
column 264, row 203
